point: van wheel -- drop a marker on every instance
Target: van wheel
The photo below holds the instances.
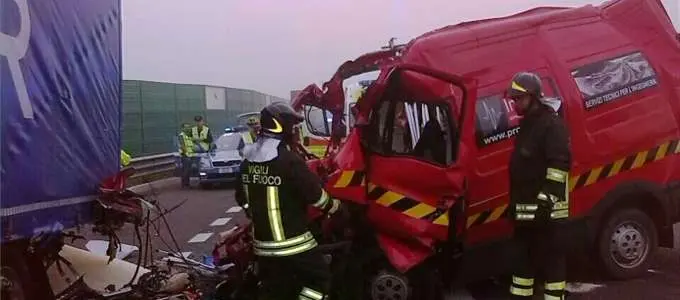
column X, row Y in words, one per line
column 626, row 243
column 419, row 284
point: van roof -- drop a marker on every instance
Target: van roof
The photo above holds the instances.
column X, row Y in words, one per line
column 474, row 31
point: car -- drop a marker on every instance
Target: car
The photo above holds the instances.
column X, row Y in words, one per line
column 222, row 163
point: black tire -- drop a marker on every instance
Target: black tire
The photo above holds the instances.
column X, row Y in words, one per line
column 626, row 243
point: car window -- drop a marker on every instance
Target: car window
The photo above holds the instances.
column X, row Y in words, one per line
column 228, row 141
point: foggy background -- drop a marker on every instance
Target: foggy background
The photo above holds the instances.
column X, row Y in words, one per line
column 276, row 46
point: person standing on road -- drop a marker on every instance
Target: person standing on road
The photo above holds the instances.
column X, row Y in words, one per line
column 201, row 135
column 186, row 152
column 249, row 137
column 275, row 188
column 539, row 193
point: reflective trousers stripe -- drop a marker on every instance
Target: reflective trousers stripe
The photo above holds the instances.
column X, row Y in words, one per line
column 556, row 286
column 274, row 213
column 523, row 281
column 556, row 175
column 551, row 297
column 300, row 239
column 245, row 192
column 310, row 294
column 524, row 217
column 526, row 207
column 286, row 251
column 521, row 291
column 559, row 214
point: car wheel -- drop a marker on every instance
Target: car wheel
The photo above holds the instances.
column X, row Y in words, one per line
column 627, row 241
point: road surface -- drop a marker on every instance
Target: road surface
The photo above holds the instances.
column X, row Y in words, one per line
column 205, row 213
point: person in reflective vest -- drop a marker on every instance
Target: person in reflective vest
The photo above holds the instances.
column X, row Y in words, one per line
column 539, row 193
column 124, row 158
column 275, row 188
column 249, row 137
column 201, row 135
column 186, row 152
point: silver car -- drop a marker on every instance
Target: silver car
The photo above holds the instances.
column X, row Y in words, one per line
column 223, row 163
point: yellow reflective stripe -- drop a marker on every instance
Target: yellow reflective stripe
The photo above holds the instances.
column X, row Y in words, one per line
column 561, row 205
column 274, row 213
column 556, row 175
column 555, row 286
column 522, row 281
column 542, row 196
column 286, row 252
column 323, row 199
column 305, row 237
column 551, row 297
column 521, row 216
column 521, row 291
column 334, row 208
column 559, row 214
column 526, row 207
column 516, row 86
column 311, row 293
column 303, row 297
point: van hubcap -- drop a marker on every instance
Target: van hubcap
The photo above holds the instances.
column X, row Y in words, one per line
column 388, row 286
column 629, row 245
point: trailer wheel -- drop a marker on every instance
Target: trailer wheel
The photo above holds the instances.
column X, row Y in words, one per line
column 626, row 243
column 419, row 284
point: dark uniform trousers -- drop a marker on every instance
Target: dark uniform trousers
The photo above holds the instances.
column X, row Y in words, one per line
column 539, row 196
column 540, row 251
column 276, row 187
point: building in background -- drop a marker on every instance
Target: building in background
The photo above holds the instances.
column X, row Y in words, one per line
column 154, row 111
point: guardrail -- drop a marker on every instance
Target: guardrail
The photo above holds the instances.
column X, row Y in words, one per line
column 153, row 167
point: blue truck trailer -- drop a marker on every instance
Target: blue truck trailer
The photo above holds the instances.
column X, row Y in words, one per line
column 60, row 87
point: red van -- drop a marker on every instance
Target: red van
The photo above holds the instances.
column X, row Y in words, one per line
column 426, row 200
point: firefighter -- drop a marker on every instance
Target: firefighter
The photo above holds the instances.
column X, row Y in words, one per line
column 539, row 172
column 275, row 188
column 249, row 137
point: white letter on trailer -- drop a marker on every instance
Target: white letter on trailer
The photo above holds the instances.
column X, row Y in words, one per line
column 14, row 48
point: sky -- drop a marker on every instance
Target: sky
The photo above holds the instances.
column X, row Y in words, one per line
column 276, row 46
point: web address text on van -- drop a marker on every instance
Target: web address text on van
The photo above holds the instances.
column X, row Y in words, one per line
column 503, row 135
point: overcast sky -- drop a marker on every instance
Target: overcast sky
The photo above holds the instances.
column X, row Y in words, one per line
column 275, row 46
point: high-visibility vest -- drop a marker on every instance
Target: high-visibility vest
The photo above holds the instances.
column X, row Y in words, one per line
column 202, row 136
column 188, row 144
column 247, row 137
column 124, row 158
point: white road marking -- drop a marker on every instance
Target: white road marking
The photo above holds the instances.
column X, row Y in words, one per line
column 186, row 254
column 582, row 288
column 234, row 209
column 200, row 238
column 220, row 222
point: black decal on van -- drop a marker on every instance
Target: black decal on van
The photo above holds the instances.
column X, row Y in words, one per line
column 496, row 120
column 611, row 79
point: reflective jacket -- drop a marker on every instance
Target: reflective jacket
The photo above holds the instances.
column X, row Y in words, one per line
column 539, row 168
column 203, row 136
column 186, row 145
column 124, row 158
column 276, row 187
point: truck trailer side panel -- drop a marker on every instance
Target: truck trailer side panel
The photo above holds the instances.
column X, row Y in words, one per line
column 60, row 79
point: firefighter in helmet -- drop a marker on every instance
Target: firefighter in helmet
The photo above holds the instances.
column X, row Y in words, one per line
column 275, row 189
column 539, row 172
